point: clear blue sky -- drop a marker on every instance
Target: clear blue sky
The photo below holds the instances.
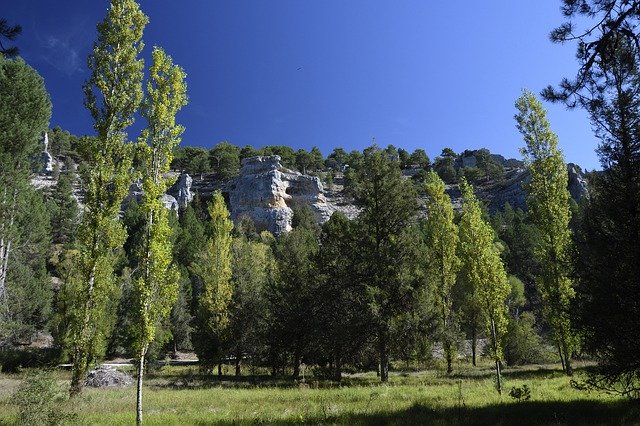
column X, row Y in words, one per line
column 330, row 73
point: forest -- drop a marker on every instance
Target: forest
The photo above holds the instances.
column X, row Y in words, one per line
column 413, row 283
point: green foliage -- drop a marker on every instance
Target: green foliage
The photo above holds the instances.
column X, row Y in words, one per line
column 10, row 32
column 225, row 160
column 25, row 110
column 548, row 202
column 213, row 267
column 343, row 311
column 522, row 343
column 27, row 305
column 387, row 247
column 113, row 94
column 483, row 271
column 64, row 210
column 442, row 263
column 291, row 294
column 192, row 160
column 444, row 165
column 420, row 157
column 286, row 153
column 41, row 401
column 253, row 269
column 520, row 393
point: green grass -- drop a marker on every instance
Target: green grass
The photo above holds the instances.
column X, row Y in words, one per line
column 182, row 397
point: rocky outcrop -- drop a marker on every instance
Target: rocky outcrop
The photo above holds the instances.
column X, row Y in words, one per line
column 45, row 158
column 266, row 192
column 181, row 191
column 578, row 186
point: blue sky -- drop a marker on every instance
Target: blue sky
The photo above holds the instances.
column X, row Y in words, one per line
column 330, row 73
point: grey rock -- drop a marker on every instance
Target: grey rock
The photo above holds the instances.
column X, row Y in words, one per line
column 106, row 376
column 181, row 190
column 578, row 186
column 266, row 192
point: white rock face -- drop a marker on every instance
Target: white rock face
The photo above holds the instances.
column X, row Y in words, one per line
column 181, row 190
column 265, row 192
column 45, row 158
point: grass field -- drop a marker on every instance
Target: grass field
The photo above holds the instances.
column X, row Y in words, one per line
column 178, row 395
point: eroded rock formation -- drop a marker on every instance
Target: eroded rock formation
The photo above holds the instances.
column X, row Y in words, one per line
column 267, row 193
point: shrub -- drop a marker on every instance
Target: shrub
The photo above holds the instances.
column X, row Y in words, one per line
column 40, row 400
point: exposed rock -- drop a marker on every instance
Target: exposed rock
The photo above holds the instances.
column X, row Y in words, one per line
column 45, row 158
column 106, row 376
column 181, row 190
column 265, row 192
column 578, row 186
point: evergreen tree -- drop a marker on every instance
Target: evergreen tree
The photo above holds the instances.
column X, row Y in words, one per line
column 484, row 271
column 25, row 110
column 65, row 211
column 225, row 159
column 548, row 202
column 389, row 207
column 253, row 266
column 343, row 313
column 213, row 267
column 112, row 94
column 608, row 265
column 292, row 295
column 10, row 32
column 442, row 263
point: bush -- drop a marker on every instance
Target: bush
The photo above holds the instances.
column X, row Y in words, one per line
column 523, row 345
column 13, row 359
column 40, row 400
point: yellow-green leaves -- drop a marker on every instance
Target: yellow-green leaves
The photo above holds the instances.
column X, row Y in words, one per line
column 483, row 268
column 548, row 203
column 213, row 266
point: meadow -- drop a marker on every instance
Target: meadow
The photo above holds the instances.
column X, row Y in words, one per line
column 181, row 396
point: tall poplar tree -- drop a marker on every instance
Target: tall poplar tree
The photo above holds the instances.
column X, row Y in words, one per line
column 155, row 290
column 442, row 263
column 113, row 93
column 484, row 272
column 548, row 203
column 213, row 267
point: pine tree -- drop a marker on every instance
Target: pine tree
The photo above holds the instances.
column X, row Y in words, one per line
column 253, row 266
column 155, row 290
column 213, row 268
column 548, row 203
column 25, row 109
column 483, row 270
column 389, row 207
column 442, row 263
column 112, row 94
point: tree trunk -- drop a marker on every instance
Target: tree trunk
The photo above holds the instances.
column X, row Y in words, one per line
column 139, row 389
column 296, row 365
column 238, row 362
column 384, row 361
column 564, row 367
column 337, row 375
column 567, row 360
column 448, row 351
column 495, row 354
column 220, row 369
column 474, row 342
column 81, row 351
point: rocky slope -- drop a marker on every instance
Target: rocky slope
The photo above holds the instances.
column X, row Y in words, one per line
column 267, row 192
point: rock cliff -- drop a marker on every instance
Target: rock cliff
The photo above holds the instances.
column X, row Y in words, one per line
column 267, row 193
